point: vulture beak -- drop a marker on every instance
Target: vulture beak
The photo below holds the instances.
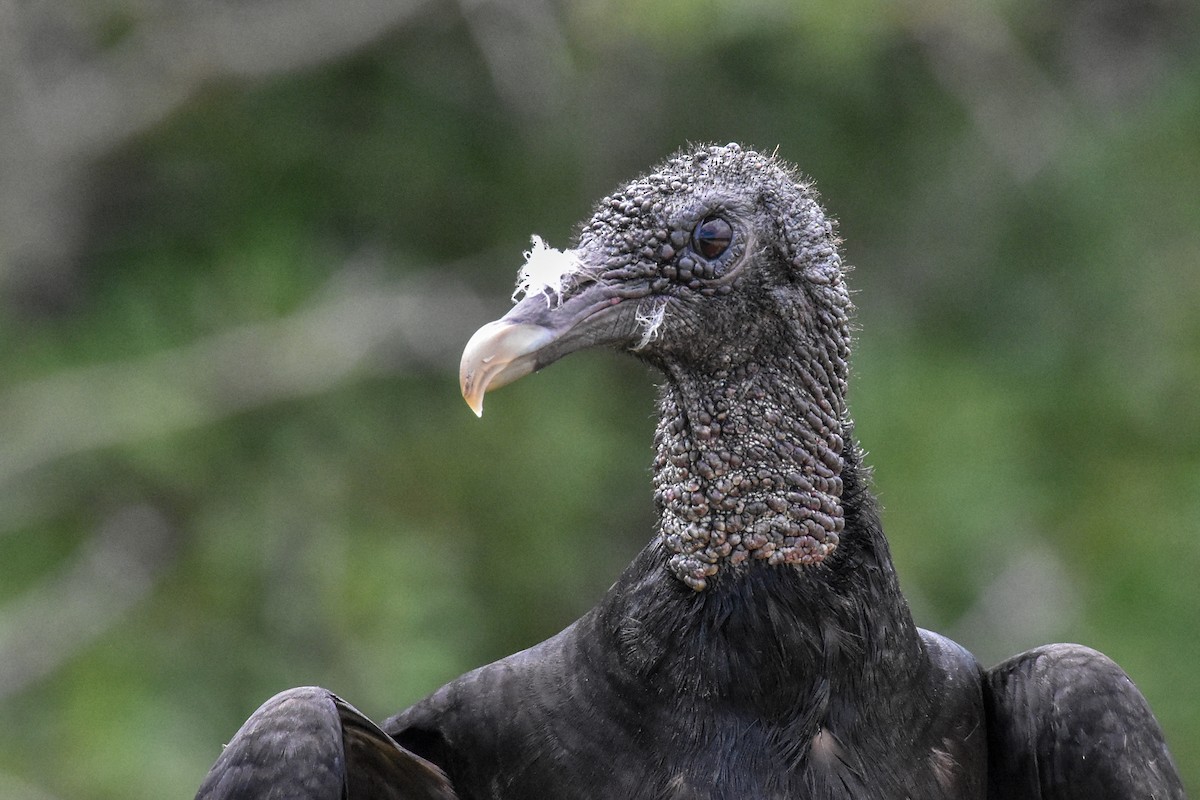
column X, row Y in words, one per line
column 498, row 354
column 538, row 331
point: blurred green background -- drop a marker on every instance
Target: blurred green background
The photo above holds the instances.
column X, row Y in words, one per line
column 242, row 245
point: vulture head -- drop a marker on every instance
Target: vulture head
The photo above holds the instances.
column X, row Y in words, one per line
column 720, row 268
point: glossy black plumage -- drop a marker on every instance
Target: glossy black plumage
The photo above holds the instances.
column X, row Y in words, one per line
column 308, row 744
column 759, row 646
column 1064, row 721
column 663, row 692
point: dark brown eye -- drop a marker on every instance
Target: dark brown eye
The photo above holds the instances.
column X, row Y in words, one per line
column 711, row 237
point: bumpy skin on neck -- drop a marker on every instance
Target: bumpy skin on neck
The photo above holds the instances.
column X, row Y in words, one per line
column 748, row 466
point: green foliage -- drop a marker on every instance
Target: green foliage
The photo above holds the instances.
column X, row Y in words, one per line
column 1024, row 382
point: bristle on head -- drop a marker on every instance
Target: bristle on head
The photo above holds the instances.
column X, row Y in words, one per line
column 650, row 321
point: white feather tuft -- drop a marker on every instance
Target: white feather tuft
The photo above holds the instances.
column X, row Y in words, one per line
column 650, row 321
column 546, row 270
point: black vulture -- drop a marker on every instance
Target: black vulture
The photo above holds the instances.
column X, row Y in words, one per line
column 759, row 645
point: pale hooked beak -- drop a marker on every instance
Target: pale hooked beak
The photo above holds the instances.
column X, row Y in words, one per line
column 498, row 354
column 534, row 334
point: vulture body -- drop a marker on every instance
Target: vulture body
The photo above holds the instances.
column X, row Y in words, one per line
column 759, row 646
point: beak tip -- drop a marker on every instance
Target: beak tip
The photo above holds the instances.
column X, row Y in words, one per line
column 470, row 393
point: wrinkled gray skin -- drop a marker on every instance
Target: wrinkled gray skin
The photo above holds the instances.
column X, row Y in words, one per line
column 759, row 646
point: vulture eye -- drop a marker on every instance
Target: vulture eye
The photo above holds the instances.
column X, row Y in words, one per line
column 711, row 237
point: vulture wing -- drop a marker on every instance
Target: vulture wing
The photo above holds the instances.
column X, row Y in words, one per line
column 309, row 744
column 1066, row 723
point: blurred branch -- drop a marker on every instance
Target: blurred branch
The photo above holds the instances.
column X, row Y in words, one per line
column 1032, row 598
column 1016, row 108
column 173, row 48
column 354, row 327
column 117, row 566
column 13, row 788
column 526, row 52
column 66, row 95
